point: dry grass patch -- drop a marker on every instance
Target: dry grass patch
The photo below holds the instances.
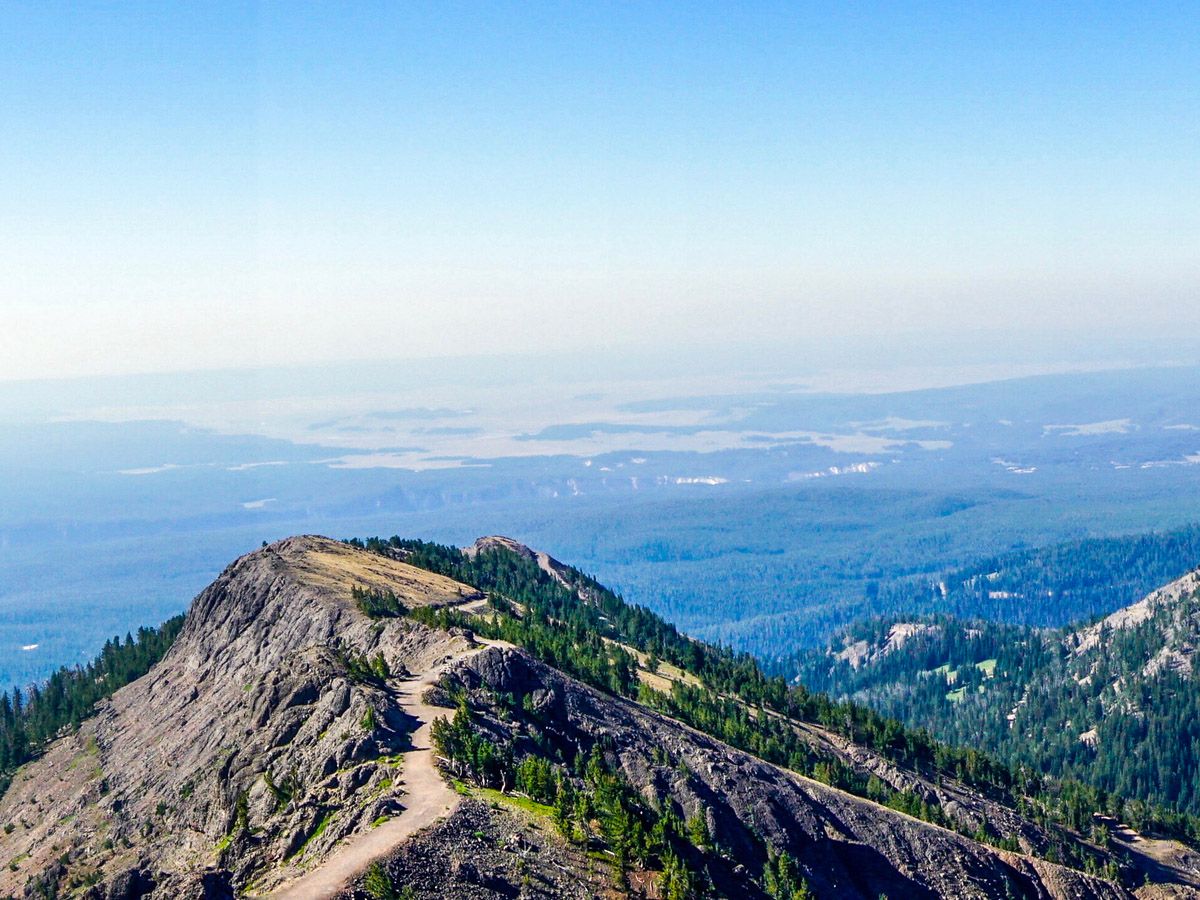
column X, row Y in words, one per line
column 340, row 568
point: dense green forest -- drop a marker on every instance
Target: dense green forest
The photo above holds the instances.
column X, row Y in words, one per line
column 566, row 626
column 1122, row 715
column 773, row 572
column 1063, row 583
column 1051, row 586
column 31, row 719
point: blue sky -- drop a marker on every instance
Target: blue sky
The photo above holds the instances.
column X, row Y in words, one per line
column 241, row 184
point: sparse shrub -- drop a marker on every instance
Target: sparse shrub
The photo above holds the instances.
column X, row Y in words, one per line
column 379, row 605
column 378, row 883
column 241, row 817
column 697, row 830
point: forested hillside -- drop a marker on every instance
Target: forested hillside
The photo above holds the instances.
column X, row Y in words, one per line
column 31, row 718
column 1115, row 704
column 1063, row 583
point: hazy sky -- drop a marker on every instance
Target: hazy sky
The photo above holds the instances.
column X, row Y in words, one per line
column 244, row 184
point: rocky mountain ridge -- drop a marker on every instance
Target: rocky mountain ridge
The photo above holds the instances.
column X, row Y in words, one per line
column 254, row 716
column 849, row 847
column 281, row 748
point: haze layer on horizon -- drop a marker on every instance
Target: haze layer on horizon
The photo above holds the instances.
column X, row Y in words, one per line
column 252, row 185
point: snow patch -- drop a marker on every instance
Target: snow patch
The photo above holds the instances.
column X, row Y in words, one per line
column 855, row 469
column 1014, row 468
column 151, row 470
column 244, row 467
column 1190, row 459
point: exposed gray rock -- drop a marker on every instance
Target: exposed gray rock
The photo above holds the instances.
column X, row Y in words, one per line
column 250, row 749
column 847, row 846
column 480, row 853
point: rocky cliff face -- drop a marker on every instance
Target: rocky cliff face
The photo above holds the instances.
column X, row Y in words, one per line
column 250, row 751
column 282, row 746
column 1172, row 612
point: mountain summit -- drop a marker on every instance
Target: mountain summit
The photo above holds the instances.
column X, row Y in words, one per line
column 402, row 719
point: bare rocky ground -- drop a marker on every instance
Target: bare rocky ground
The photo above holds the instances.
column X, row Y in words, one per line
column 848, row 847
column 250, row 752
column 427, row 799
column 254, row 761
column 482, row 852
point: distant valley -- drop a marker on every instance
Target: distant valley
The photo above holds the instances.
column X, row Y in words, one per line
column 759, row 514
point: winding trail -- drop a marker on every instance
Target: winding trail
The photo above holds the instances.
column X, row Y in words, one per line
column 428, row 798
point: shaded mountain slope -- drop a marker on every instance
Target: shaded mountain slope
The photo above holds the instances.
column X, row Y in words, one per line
column 846, row 846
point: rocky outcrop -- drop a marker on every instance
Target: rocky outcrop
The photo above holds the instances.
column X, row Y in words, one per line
column 483, row 852
column 547, row 563
column 1165, row 599
column 251, row 750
